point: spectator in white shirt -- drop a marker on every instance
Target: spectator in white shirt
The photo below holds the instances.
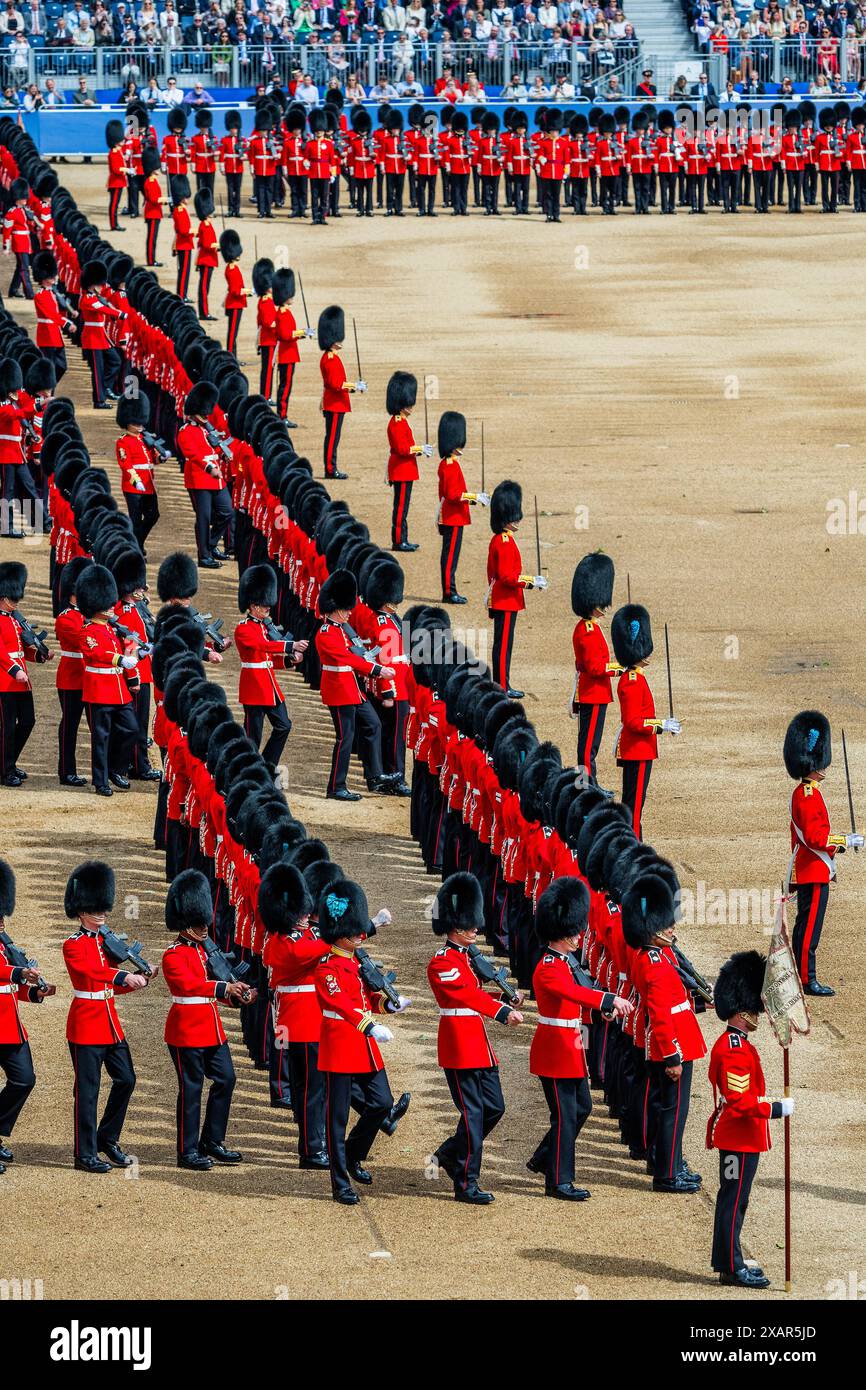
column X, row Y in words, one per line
column 173, row 95
column 383, row 91
column 9, row 13
column 52, row 96
column 402, row 55
column 394, row 17
column 307, row 93
column 409, row 87
column 548, row 16
column 416, row 16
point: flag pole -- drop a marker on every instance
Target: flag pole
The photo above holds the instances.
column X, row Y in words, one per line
column 786, row 1076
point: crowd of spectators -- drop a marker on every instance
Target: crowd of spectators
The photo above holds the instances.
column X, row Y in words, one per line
column 807, row 42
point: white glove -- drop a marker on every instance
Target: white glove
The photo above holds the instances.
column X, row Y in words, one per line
column 404, row 1004
column 427, row 450
column 671, row 726
column 361, row 386
column 539, row 581
column 309, row 332
column 381, row 1033
column 854, row 841
column 382, row 918
column 483, row 499
column 129, row 663
column 787, row 1106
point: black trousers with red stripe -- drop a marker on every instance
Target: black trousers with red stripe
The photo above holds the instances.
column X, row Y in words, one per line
column 736, row 1175
column 671, row 1111
column 57, row 356
column 71, row 710
column 143, row 508
column 267, row 353
column 333, row 429
column 16, row 1063
column 400, row 512
column 308, row 1097
column 105, row 367
column 113, row 733
column 503, row 643
column 140, row 761
column 194, row 1066
column 570, row 1105
column 349, row 719
column 17, row 718
column 233, row 323
column 281, row 726
column 812, row 901
column 184, row 265
column 452, row 540
column 377, row 1102
column 152, row 237
column 205, row 275
column 113, row 207
column 477, row 1094
column 88, row 1059
column 285, row 380
column 635, row 780
column 393, row 720
column 590, row 728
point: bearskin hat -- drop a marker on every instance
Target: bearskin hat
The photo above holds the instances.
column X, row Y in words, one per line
column 384, row 586
column 339, row 591
column 362, row 123
column 263, row 274
column 69, row 576
column 343, row 911
column 332, row 327
column 592, row 584
column 451, row 434
column 283, row 286
column 203, row 204
column 562, row 910
column 201, row 399
column 188, row 902
column 204, row 118
column 7, row 890
column 40, row 377
column 150, row 162
column 177, row 577
column 230, row 245
column 631, row 635
column 738, row 988
column 233, row 120
column 511, row 749
column 318, row 121
column 114, row 134
column 179, row 188
column 258, row 585
column 264, row 119
column 807, row 747
column 11, row 378
column 506, row 506
column 401, row 392
column 133, row 410
column 96, row 591
column 43, row 266
column 284, row 898
column 458, row 906
column 92, row 274
column 648, row 908
column 177, row 120
column 18, row 189
column 130, row 572
column 13, row 579
column 546, row 759
column 90, row 889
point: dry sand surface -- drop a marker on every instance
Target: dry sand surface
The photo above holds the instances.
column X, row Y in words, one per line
column 696, row 388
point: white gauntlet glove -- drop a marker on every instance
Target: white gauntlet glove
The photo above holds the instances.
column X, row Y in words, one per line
column 309, row 332
column 129, row 663
column 483, row 499
column 854, row 841
column 381, row 1033
column 671, row 726
column 399, row 1008
column 361, row 387
column 539, row 581
column 427, row 450
column 787, row 1106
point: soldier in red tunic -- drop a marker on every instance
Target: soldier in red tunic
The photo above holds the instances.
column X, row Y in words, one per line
column 110, row 677
column 266, row 323
column 855, row 156
column 637, row 745
column 808, row 753
column 16, row 238
column 137, row 461
column 93, row 1029
column 591, row 595
column 464, row 1052
column 232, row 151
column 132, row 613
column 70, row 672
column 207, row 258
column 454, row 500
column 184, row 241
column 17, row 716
column 556, row 1056
column 383, row 591
column 673, row 1035
column 262, row 649
column 336, row 388
column 51, row 321
column 506, row 580
column 117, row 172
column 194, row 1033
column 348, row 1046
column 203, row 149
column 554, row 150
column 202, row 474
column 174, row 156
column 18, row 984
column 739, row 1125
column 153, row 203
column 236, row 291
column 104, row 360
column 400, row 398
column 289, row 335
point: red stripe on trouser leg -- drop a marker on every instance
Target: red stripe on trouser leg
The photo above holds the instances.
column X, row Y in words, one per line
column 337, row 747
column 638, row 799
column 734, row 1214
column 671, row 1173
column 466, row 1124
column 809, row 932
column 559, row 1129
column 180, row 1103
column 329, row 456
column 287, row 389
column 449, row 563
column 590, row 738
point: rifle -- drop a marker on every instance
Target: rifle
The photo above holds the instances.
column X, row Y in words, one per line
column 215, row 438
column 211, row 628
column 356, row 644
column 143, row 649
column 158, row 445
column 578, row 974
column 848, row 785
column 18, row 959
column 303, row 299
column 377, row 979
column 357, row 352
column 146, row 617
column 491, row 974
column 221, row 967
column 694, row 982
column 31, row 638
column 668, row 663
column 276, row 633
column 120, row 948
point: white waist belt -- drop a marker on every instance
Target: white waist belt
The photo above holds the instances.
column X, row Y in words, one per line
column 297, row 989
column 191, row 999
column 681, row 1008
column 337, row 669
column 559, row 1022
column 102, row 670
column 458, row 1013
column 93, row 993
column 8, row 989
column 11, row 438
column 73, row 656
column 255, row 665
column 327, row 1013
